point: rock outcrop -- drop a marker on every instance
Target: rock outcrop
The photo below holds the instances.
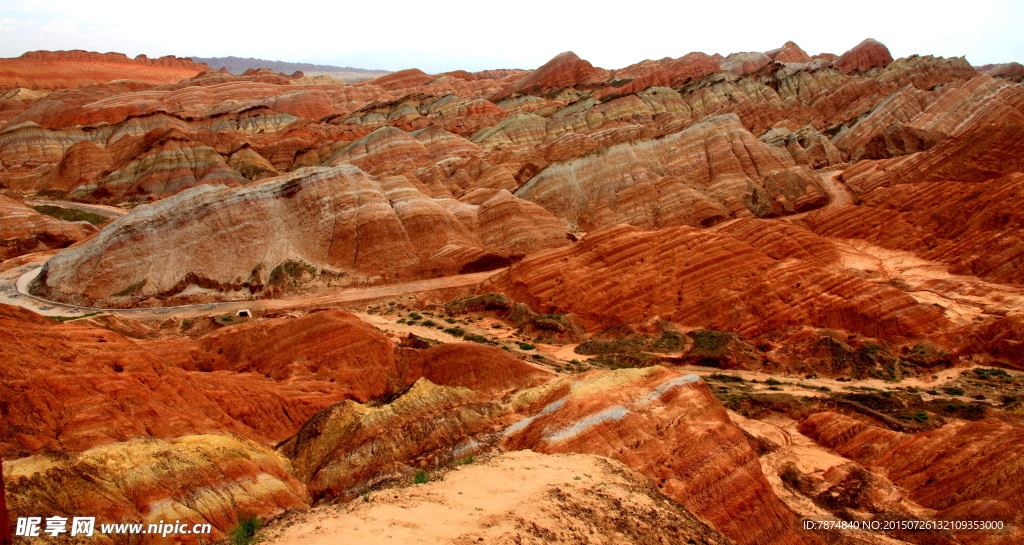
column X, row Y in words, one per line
column 564, row 70
column 329, row 226
column 789, row 53
column 620, row 415
column 694, row 177
column 191, row 480
column 865, row 56
column 958, row 470
column 23, row 230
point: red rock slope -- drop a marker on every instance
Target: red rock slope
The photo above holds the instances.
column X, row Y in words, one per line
column 623, row 275
column 23, row 230
column 70, row 69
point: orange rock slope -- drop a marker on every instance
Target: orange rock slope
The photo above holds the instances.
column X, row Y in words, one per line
column 70, row 69
column 715, row 280
column 23, row 230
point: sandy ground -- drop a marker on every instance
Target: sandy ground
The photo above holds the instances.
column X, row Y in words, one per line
column 475, row 503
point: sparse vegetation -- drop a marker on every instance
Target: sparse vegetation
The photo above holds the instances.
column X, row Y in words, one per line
column 70, row 214
column 455, row 331
column 709, row 341
column 527, row 346
column 953, row 391
column 464, row 461
column 247, row 530
column 421, row 477
column 133, row 289
column 229, row 320
column 69, row 318
column 292, row 273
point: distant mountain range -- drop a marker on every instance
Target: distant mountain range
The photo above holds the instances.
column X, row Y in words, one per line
column 237, row 65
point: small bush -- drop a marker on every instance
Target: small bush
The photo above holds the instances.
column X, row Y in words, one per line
column 133, row 289
column 526, row 346
column 953, row 391
column 772, row 382
column 415, row 316
column 429, row 323
column 464, row 461
column 476, row 338
column 455, row 331
column 421, row 477
column 921, row 416
column 247, row 531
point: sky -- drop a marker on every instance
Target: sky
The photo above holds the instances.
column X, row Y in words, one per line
column 474, row 35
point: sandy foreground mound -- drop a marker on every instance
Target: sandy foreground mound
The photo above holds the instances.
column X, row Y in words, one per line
column 519, row 497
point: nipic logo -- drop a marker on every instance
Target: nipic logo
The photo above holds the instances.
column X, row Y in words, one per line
column 86, row 526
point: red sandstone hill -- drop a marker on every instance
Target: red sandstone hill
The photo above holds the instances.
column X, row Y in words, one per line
column 71, row 69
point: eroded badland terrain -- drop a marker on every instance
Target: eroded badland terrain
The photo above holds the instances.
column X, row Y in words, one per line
column 692, row 300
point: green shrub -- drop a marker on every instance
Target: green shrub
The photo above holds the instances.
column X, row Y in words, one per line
column 69, row 318
column 953, row 391
column 414, row 316
column 429, row 323
column 133, row 289
column 455, row 331
column 247, row 531
column 476, row 338
column 421, row 477
column 464, row 461
column 526, row 346
column 70, row 214
column 921, row 416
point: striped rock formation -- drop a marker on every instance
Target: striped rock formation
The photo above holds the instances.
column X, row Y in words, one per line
column 961, row 471
column 70, row 69
column 696, row 175
column 621, row 415
column 336, row 226
column 864, row 56
column 190, row 480
column 709, row 279
column 23, row 230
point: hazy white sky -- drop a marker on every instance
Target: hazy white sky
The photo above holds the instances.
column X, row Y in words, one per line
column 474, row 34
